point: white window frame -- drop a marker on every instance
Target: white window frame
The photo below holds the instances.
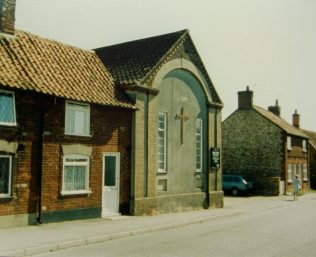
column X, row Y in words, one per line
column 14, row 111
column 304, row 168
column 164, row 131
column 199, row 124
column 85, row 164
column 10, row 176
column 77, row 107
column 289, row 173
column 304, row 145
column 289, row 142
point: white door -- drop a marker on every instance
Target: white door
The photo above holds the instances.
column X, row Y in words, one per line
column 111, row 181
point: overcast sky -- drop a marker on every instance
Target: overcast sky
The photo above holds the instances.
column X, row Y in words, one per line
column 269, row 45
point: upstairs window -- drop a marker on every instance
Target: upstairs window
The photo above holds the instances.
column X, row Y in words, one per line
column 304, row 145
column 289, row 143
column 76, row 174
column 289, row 173
column 198, row 147
column 5, row 175
column 77, row 119
column 7, row 108
column 162, row 142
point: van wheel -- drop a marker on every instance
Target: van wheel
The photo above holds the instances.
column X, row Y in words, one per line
column 235, row 191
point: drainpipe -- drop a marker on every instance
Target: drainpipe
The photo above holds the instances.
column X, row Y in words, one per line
column 215, row 145
column 40, row 165
column 207, row 204
column 146, row 111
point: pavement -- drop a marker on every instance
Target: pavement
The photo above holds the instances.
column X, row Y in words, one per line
column 32, row 240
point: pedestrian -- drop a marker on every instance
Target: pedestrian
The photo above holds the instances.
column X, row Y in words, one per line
column 296, row 187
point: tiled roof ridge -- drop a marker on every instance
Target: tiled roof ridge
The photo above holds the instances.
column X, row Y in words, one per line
column 168, row 53
column 31, row 62
column 42, row 38
column 280, row 122
column 143, row 39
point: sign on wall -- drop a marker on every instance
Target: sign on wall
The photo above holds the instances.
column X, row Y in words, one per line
column 215, row 158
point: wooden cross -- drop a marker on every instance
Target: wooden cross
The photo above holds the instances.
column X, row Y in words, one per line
column 183, row 118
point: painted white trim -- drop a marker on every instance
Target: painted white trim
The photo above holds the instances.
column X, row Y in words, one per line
column 12, row 124
column 118, row 171
column 10, row 176
column 76, row 106
column 200, row 122
column 165, row 130
column 87, row 178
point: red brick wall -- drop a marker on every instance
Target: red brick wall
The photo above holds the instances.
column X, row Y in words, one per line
column 110, row 130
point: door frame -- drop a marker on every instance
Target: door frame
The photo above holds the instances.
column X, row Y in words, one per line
column 118, row 168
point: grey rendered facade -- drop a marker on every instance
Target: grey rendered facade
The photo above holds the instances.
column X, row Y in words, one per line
column 167, row 79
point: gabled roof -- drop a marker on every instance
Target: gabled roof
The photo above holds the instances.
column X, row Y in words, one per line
column 129, row 62
column 136, row 61
column 281, row 123
column 30, row 62
column 312, row 137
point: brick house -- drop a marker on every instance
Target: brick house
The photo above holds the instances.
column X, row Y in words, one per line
column 65, row 131
column 260, row 145
column 312, row 156
column 177, row 122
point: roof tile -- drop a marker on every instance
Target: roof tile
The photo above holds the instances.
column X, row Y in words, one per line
column 33, row 63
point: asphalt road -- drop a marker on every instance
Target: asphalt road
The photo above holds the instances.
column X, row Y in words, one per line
column 284, row 230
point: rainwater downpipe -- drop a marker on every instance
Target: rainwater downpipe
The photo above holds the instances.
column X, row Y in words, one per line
column 40, row 166
column 145, row 188
column 215, row 145
column 207, row 173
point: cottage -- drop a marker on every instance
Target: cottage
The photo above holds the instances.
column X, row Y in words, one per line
column 263, row 147
column 177, row 122
column 65, row 131
column 312, row 156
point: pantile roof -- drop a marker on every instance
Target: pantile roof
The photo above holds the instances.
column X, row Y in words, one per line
column 281, row 123
column 30, row 62
column 136, row 62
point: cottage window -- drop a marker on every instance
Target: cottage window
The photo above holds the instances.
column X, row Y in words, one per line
column 289, row 173
column 7, row 108
column 5, row 175
column 77, row 119
column 305, row 177
column 198, row 147
column 304, row 145
column 75, row 174
column 162, row 142
column 289, row 143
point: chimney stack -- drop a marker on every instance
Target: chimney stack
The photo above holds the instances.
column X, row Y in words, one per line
column 245, row 99
column 7, row 16
column 276, row 109
column 296, row 119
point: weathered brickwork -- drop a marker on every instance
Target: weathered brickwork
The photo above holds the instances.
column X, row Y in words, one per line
column 110, row 132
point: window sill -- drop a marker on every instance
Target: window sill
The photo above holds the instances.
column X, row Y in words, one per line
column 305, row 180
column 290, row 181
column 76, row 192
column 8, row 198
column 78, row 135
column 161, row 172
